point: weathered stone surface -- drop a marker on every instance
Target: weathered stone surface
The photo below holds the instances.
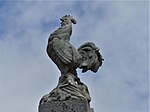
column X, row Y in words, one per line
column 68, row 59
column 72, row 105
column 70, row 95
column 91, row 110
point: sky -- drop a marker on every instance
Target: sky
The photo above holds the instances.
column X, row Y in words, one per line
column 119, row 29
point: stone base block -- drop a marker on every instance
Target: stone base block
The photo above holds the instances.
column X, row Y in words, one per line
column 72, row 105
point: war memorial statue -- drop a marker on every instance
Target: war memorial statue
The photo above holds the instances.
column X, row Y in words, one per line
column 70, row 95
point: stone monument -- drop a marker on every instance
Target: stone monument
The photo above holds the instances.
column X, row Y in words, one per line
column 70, row 95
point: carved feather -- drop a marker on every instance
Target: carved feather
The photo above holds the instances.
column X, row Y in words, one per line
column 63, row 50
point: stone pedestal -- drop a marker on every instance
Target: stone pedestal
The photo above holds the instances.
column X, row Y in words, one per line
column 71, row 105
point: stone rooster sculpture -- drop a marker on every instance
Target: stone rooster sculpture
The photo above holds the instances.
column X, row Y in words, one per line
column 68, row 59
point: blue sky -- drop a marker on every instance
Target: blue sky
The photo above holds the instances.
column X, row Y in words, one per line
column 120, row 29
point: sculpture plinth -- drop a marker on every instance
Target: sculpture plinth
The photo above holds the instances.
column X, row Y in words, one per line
column 71, row 105
column 70, row 95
